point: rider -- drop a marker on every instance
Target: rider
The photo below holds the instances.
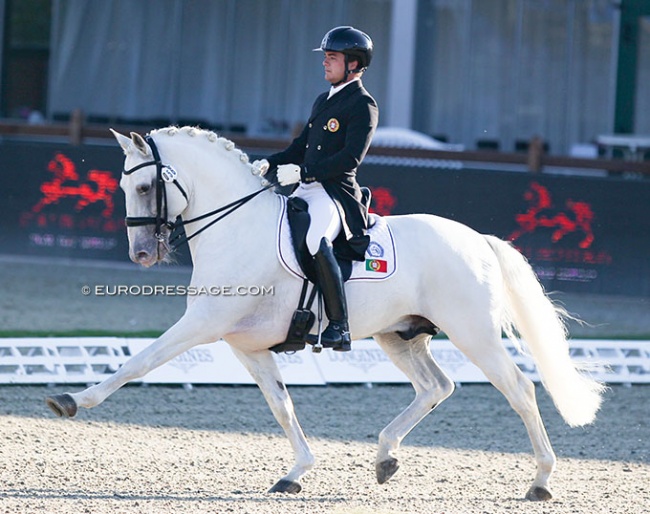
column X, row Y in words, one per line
column 323, row 161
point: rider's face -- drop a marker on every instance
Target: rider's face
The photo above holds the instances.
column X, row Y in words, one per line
column 334, row 64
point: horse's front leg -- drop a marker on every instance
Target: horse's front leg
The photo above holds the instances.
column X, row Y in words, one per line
column 264, row 370
column 185, row 334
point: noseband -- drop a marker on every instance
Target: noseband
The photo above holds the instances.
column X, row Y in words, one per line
column 165, row 174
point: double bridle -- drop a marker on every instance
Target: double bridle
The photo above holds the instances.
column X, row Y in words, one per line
column 165, row 174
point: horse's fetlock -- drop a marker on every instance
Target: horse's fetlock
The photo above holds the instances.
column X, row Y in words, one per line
column 546, row 464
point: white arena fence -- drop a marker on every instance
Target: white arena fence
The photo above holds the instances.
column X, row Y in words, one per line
column 91, row 359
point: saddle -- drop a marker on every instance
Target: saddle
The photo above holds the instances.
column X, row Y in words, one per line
column 299, row 220
column 303, row 318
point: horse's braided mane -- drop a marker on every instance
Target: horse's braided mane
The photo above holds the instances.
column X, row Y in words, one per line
column 208, row 135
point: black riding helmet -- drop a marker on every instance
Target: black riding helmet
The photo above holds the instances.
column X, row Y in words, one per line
column 350, row 42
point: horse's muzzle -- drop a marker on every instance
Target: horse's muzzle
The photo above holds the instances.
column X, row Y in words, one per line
column 148, row 250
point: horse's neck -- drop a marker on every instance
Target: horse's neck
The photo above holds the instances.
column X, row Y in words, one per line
column 240, row 248
column 246, row 232
column 216, row 183
column 214, row 174
column 251, row 224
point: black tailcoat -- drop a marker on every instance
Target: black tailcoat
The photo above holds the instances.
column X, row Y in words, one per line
column 329, row 150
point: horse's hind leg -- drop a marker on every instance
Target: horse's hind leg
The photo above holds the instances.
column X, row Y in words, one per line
column 265, row 372
column 489, row 354
column 431, row 386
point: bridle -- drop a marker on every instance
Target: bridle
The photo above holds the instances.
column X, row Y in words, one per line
column 165, row 174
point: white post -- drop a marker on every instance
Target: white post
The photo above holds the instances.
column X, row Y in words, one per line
column 401, row 64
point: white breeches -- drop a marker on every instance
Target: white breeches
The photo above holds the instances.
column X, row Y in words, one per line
column 325, row 220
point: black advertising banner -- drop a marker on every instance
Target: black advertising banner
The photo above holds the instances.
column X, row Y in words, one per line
column 61, row 200
column 64, row 201
column 582, row 234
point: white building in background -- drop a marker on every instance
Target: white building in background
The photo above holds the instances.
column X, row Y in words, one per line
column 481, row 73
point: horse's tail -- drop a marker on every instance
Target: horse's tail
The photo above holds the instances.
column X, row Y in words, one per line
column 540, row 323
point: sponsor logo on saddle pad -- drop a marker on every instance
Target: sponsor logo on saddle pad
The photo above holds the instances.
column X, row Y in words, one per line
column 376, row 265
column 375, row 249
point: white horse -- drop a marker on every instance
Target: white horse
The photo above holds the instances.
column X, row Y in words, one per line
column 471, row 286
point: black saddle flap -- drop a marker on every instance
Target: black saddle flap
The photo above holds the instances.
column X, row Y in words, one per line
column 298, row 214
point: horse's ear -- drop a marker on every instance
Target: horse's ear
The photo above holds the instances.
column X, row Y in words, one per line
column 124, row 141
column 140, row 143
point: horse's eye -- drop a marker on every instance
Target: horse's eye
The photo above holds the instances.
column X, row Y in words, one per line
column 143, row 189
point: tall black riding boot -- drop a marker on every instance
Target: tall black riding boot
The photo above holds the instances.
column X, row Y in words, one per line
column 337, row 333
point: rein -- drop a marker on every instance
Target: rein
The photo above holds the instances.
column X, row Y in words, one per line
column 167, row 174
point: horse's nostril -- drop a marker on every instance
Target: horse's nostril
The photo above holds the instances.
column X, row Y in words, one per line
column 142, row 255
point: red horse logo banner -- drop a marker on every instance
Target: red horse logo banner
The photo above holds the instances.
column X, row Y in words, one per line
column 578, row 217
column 383, row 201
column 98, row 187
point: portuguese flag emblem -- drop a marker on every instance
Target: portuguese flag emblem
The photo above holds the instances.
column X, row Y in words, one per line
column 377, row 265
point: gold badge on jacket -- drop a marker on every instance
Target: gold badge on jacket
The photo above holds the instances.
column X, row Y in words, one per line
column 333, row 125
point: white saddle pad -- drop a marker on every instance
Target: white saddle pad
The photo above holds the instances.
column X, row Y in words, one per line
column 381, row 256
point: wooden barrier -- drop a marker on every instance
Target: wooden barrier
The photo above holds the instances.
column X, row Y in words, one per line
column 535, row 160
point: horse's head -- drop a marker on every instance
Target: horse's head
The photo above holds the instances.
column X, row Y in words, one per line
column 151, row 204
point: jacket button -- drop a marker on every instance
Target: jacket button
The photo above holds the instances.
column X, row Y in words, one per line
column 310, row 125
column 324, row 127
column 318, row 147
column 307, row 145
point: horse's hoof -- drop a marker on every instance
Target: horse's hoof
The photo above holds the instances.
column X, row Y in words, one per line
column 386, row 469
column 538, row 494
column 63, row 405
column 286, row 486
